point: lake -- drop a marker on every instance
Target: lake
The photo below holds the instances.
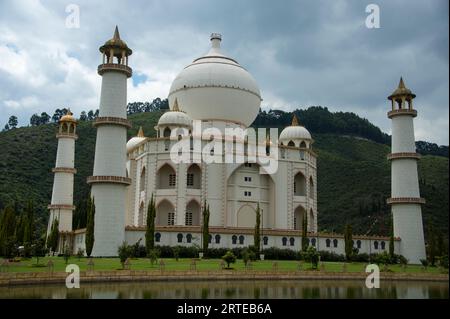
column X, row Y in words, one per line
column 261, row 289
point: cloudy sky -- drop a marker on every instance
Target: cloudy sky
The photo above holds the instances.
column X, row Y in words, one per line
column 301, row 53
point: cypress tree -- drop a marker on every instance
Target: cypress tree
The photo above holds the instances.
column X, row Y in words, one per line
column 257, row 237
column 90, row 226
column 7, row 230
column 348, row 241
column 205, row 228
column 391, row 241
column 304, row 233
column 53, row 237
column 431, row 245
column 150, row 231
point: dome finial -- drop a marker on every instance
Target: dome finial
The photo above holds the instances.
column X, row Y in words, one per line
column 401, row 84
column 216, row 38
column 294, row 120
column 175, row 107
column 140, row 132
column 69, row 112
column 116, row 33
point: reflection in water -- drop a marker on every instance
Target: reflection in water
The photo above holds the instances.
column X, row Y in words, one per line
column 233, row 290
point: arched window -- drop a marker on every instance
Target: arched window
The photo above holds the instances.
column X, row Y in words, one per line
column 209, row 238
column 157, row 237
column 180, row 238
column 292, row 241
column 284, row 240
column 142, row 181
column 383, row 245
column 313, row 242
column 188, row 238
column 335, row 243
column 265, row 240
column 311, row 188
column 192, row 216
column 241, row 240
column 234, row 239
column 358, row 244
column 303, row 144
column 299, row 184
column 166, row 177
column 375, row 244
column 328, row 242
column 217, row 239
column 307, row 241
column 302, row 155
column 194, row 177
column 141, row 215
column 166, row 132
column 291, row 144
column 165, row 214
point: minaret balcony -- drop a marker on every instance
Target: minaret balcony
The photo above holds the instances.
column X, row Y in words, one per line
column 108, row 120
column 106, row 67
column 405, row 200
column 401, row 112
column 67, row 135
column 109, row 180
column 64, row 170
column 61, row 206
column 410, row 155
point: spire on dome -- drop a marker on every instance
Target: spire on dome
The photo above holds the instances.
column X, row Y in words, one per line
column 401, row 84
column 401, row 91
column 176, row 108
column 140, row 132
column 116, row 34
column 294, row 121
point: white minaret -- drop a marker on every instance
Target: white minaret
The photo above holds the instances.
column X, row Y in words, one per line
column 109, row 181
column 405, row 196
column 61, row 207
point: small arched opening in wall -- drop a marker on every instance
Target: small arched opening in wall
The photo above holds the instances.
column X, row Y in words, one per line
column 165, row 213
column 194, row 177
column 140, row 221
column 311, row 220
column 299, row 216
column 142, row 180
column 192, row 217
column 166, row 177
column 299, row 184
column 311, row 187
column 246, row 216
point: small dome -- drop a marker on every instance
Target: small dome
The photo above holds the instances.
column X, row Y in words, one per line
column 68, row 117
column 117, row 44
column 294, row 132
column 401, row 90
column 175, row 117
column 134, row 141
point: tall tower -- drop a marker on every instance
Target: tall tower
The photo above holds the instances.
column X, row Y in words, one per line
column 61, row 206
column 109, row 181
column 405, row 196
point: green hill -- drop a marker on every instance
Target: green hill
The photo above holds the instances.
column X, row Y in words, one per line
column 353, row 175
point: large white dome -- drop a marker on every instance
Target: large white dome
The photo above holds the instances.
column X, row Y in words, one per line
column 216, row 87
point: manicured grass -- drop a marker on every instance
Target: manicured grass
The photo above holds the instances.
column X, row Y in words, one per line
column 184, row 264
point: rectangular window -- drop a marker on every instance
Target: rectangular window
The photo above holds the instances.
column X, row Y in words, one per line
column 190, row 179
column 247, row 194
column 172, row 179
column 171, row 219
column 247, row 179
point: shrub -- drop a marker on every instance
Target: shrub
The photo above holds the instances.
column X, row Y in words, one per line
column 424, row 262
column 124, row 251
column 443, row 261
column 153, row 255
column 274, row 253
column 363, row 257
column 331, row 256
column 229, row 258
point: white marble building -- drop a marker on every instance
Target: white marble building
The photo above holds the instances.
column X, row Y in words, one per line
column 209, row 97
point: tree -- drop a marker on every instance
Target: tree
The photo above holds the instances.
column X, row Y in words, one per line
column 12, row 122
column 29, row 224
column 38, row 250
column 431, row 245
column 7, row 230
column 304, row 233
column 205, row 228
column 44, row 118
column 35, row 120
column 53, row 237
column 257, row 237
column 90, row 226
column 150, row 231
column 83, row 116
column 348, row 242
column 6, row 128
column 124, row 251
column 229, row 258
column 391, row 241
column 57, row 115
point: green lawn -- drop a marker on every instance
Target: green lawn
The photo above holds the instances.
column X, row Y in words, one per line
column 27, row 265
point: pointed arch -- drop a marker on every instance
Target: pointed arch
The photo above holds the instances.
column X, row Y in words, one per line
column 166, row 177
column 192, row 216
column 140, row 221
column 291, row 143
column 142, row 180
column 311, row 220
column 299, row 184
column 194, row 176
column 165, row 213
column 246, row 216
column 299, row 216
column 311, row 188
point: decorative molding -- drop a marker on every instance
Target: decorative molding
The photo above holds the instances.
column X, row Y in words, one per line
column 105, row 120
column 411, row 155
column 67, row 135
column 109, row 179
column 64, row 170
column 401, row 112
column 102, row 68
column 214, row 86
column 405, row 200
column 61, row 206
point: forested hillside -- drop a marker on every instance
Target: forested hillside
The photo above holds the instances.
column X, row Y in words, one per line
column 353, row 173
